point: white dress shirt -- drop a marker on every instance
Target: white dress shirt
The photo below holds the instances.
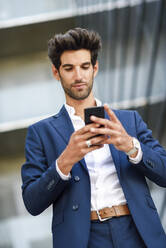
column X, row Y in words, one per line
column 106, row 190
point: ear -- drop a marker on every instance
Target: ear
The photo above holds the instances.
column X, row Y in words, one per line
column 96, row 68
column 55, row 72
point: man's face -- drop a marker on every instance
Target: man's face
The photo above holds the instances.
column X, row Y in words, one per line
column 76, row 73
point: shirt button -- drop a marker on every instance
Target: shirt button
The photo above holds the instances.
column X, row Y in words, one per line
column 75, row 207
column 76, row 178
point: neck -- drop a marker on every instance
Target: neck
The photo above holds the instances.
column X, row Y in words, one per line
column 80, row 105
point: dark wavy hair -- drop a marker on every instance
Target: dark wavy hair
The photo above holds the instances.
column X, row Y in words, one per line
column 74, row 39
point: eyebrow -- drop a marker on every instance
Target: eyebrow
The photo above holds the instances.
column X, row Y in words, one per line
column 83, row 64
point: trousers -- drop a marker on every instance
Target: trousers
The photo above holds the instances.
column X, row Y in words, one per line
column 117, row 232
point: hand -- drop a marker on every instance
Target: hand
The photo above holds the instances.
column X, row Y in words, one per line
column 114, row 130
column 77, row 147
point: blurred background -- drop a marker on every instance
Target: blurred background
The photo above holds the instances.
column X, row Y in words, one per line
column 132, row 75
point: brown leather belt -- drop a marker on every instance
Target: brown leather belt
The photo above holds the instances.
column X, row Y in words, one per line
column 114, row 211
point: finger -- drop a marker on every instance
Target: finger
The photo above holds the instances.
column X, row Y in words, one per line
column 105, row 131
column 86, row 128
column 94, row 147
column 104, row 122
column 101, row 121
column 111, row 114
column 87, row 135
column 91, row 145
column 97, row 140
column 108, row 141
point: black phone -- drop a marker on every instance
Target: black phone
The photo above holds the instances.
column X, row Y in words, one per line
column 96, row 111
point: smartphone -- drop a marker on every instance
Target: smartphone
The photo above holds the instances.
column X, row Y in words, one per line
column 96, row 111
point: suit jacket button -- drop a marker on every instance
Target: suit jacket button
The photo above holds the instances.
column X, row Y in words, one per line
column 150, row 163
column 76, row 178
column 51, row 183
column 75, row 207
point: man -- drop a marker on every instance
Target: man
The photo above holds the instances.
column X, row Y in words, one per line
column 95, row 183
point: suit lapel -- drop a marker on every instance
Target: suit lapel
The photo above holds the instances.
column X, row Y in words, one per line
column 63, row 125
column 82, row 162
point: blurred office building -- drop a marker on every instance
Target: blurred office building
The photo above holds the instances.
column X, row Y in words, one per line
column 132, row 75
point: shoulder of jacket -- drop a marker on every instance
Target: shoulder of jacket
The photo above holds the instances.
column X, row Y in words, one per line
column 42, row 122
column 123, row 112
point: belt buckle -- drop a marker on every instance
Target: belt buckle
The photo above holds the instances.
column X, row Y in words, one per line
column 98, row 214
column 100, row 218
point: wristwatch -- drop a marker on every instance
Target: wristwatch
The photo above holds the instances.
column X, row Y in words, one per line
column 136, row 147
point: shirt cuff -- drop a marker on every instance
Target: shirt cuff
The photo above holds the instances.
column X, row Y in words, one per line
column 138, row 158
column 63, row 176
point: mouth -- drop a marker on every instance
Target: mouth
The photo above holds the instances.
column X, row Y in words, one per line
column 79, row 85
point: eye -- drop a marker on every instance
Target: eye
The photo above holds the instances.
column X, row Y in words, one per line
column 85, row 67
column 68, row 68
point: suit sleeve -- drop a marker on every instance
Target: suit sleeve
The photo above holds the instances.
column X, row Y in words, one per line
column 153, row 164
column 42, row 185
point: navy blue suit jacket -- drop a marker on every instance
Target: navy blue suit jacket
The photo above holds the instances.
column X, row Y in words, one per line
column 42, row 186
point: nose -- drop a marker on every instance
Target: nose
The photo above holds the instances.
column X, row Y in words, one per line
column 78, row 74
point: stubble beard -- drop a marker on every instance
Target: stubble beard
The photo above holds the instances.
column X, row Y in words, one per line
column 78, row 94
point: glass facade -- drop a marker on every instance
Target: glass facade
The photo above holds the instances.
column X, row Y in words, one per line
column 13, row 9
column 131, row 53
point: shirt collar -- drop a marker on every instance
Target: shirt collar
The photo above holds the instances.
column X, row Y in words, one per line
column 71, row 110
